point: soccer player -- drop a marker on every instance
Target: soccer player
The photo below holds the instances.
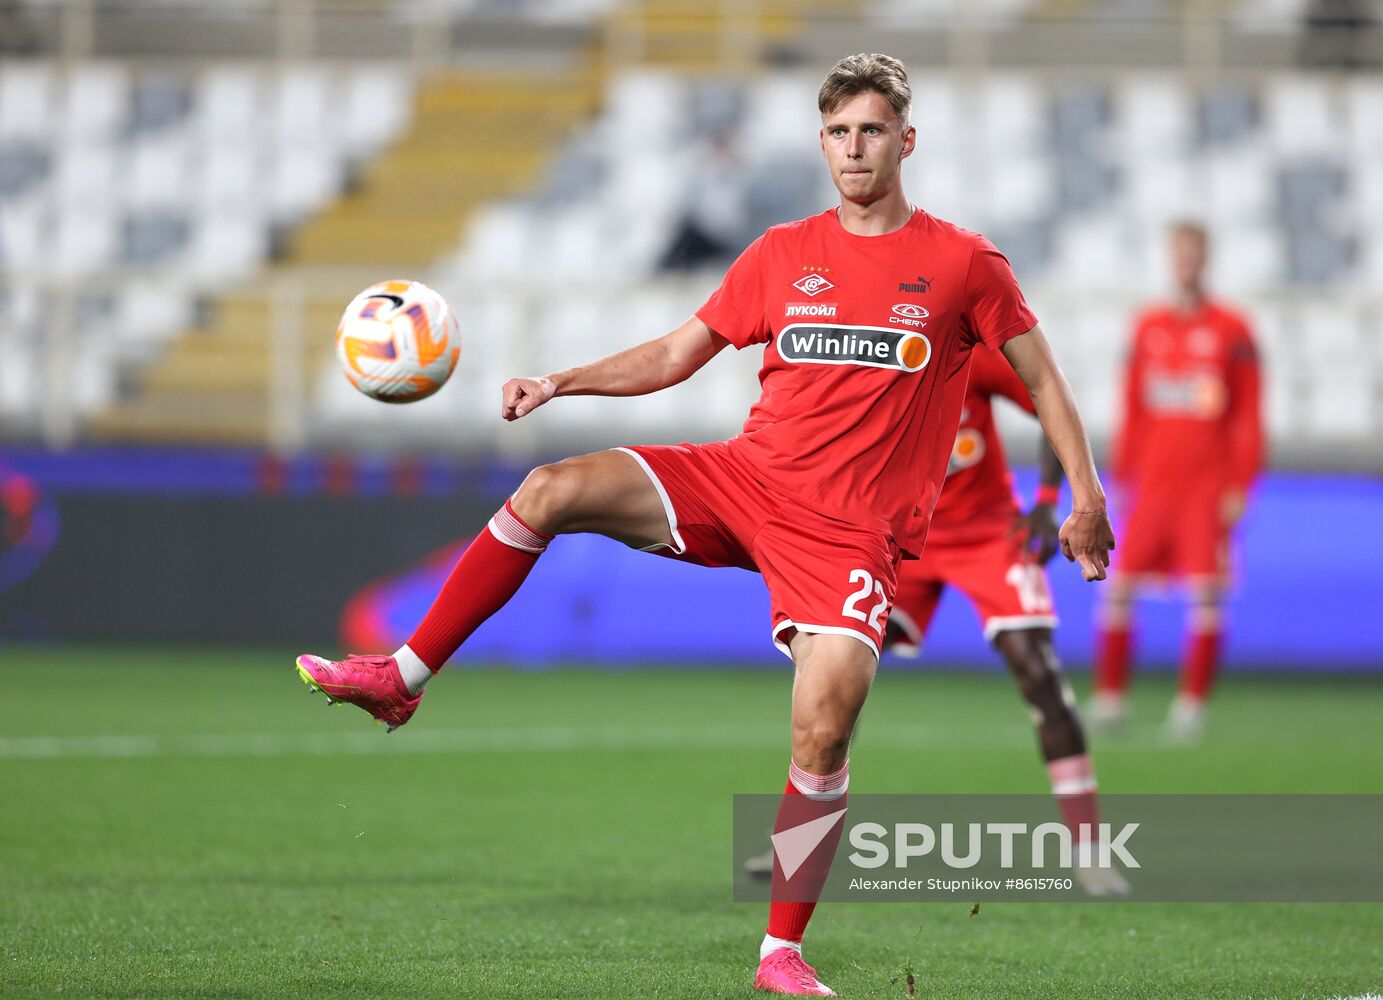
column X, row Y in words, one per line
column 983, row 545
column 830, row 484
column 1186, row 456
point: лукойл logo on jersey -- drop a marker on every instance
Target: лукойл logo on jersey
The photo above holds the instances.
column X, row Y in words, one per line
column 870, row 346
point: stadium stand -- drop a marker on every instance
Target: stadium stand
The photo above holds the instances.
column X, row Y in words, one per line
column 545, row 203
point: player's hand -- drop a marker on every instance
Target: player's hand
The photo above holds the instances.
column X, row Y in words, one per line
column 1232, row 507
column 1043, row 533
column 524, row 395
column 1087, row 538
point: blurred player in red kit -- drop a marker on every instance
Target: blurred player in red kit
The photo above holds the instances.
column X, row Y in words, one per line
column 1186, row 456
column 829, row 485
column 982, row 544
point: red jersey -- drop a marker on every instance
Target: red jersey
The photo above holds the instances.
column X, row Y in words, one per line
column 1191, row 417
column 867, row 342
column 978, row 500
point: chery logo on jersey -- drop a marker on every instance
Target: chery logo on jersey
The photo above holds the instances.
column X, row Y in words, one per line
column 870, row 346
column 812, row 284
column 824, row 310
column 908, row 314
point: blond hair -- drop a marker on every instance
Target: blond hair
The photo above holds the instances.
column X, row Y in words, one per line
column 865, row 72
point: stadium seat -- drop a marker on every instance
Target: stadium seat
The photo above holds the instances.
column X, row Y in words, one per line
column 147, row 313
column 161, row 99
column 1022, row 187
column 28, row 99
column 1330, row 336
column 225, row 244
column 376, row 107
column 1248, row 258
column 228, row 105
column 1154, row 116
column 24, row 165
column 780, row 117
column 94, row 104
column 157, row 171
column 1302, row 117
column 24, row 234
column 1012, row 116
column 85, row 242
column 301, row 179
column 1238, row 185
column 650, row 105
column 154, row 238
column 1343, row 402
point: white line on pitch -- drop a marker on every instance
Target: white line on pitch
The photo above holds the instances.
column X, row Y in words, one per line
column 523, row 739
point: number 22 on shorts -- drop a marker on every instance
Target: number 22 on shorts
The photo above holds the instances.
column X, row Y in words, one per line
column 868, row 586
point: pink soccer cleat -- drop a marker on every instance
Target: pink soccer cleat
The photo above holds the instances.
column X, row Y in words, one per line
column 369, row 682
column 784, row 971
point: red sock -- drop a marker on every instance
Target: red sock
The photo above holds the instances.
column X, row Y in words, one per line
column 488, row 573
column 806, row 797
column 1200, row 663
column 1112, row 659
column 1073, row 784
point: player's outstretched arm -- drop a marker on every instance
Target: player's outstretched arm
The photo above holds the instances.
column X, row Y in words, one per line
column 647, row 367
column 1086, row 537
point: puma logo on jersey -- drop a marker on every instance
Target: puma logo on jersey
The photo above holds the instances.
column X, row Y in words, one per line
column 870, row 346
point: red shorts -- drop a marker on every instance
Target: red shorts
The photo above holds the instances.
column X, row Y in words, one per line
column 1000, row 577
column 1174, row 536
column 823, row 575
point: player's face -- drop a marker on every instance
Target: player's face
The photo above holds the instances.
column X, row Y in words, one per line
column 865, row 144
column 1188, row 259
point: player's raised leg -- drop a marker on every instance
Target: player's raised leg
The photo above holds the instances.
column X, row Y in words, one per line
column 1031, row 658
column 834, row 673
column 1113, row 654
column 607, row 492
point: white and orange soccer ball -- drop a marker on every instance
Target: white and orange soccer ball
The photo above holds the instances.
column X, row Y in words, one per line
column 398, row 341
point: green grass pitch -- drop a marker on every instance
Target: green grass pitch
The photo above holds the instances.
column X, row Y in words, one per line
column 196, row 824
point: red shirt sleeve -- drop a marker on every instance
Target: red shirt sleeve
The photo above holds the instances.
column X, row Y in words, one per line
column 736, row 310
column 995, row 308
column 992, row 375
column 1245, row 411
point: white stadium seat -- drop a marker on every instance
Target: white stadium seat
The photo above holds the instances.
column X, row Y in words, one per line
column 157, row 171
column 94, row 103
column 28, row 99
column 229, row 105
column 1302, row 116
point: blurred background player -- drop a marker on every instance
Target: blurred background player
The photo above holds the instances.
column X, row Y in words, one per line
column 982, row 544
column 1186, row 455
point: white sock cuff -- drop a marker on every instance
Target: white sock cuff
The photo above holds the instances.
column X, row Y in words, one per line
column 772, row 944
column 820, row 787
column 509, row 529
column 412, row 669
column 1074, row 775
